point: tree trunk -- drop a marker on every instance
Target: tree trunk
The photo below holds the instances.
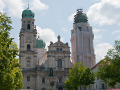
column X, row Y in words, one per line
column 89, row 87
column 80, row 87
column 85, row 88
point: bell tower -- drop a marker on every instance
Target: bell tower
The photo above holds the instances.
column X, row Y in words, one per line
column 28, row 54
column 82, row 40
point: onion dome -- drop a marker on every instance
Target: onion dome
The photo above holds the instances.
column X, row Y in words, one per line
column 40, row 43
column 80, row 17
column 27, row 13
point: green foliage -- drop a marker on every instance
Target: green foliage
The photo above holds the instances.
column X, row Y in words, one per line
column 109, row 68
column 88, row 76
column 79, row 76
column 68, row 85
column 10, row 72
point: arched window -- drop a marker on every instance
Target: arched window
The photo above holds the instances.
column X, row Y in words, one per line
column 59, row 63
column 28, row 47
column 28, row 26
column 28, row 78
column 43, row 80
column 60, row 80
column 28, row 63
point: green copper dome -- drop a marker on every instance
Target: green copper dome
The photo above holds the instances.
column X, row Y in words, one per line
column 40, row 43
column 80, row 17
column 27, row 13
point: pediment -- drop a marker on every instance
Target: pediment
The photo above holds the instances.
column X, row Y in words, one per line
column 59, row 43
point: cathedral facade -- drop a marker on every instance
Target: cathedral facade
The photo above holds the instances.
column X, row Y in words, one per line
column 47, row 70
column 41, row 69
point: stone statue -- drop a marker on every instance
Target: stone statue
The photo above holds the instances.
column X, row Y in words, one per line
column 51, row 72
column 58, row 37
column 51, row 43
column 67, row 43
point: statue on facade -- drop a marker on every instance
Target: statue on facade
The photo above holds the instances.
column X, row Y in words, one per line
column 51, row 43
column 51, row 72
column 58, row 37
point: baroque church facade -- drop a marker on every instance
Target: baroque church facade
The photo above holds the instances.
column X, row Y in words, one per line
column 47, row 70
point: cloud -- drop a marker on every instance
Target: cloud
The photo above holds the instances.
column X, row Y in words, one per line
column 96, row 30
column 2, row 5
column 98, row 36
column 105, row 12
column 101, row 50
column 15, row 7
column 38, row 5
column 64, row 29
column 47, row 35
column 71, row 17
column 118, row 31
column 117, row 34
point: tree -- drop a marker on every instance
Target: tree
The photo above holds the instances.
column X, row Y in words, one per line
column 76, row 74
column 109, row 68
column 10, row 72
column 68, row 85
column 89, row 77
column 79, row 76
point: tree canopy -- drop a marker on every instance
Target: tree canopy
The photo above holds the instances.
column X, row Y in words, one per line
column 10, row 72
column 109, row 68
column 79, row 76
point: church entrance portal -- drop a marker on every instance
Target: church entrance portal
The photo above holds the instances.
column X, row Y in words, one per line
column 60, row 88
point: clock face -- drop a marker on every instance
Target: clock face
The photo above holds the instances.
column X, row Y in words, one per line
column 52, row 84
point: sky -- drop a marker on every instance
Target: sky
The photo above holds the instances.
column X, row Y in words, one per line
column 55, row 17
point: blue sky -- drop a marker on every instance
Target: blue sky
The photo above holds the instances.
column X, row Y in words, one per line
column 55, row 17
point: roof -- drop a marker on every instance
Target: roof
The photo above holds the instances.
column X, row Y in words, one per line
column 80, row 17
column 40, row 43
column 27, row 13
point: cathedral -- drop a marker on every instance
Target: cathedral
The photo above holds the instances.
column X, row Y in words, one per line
column 48, row 69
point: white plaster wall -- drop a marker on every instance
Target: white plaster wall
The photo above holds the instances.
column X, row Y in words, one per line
column 43, row 59
column 40, row 52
